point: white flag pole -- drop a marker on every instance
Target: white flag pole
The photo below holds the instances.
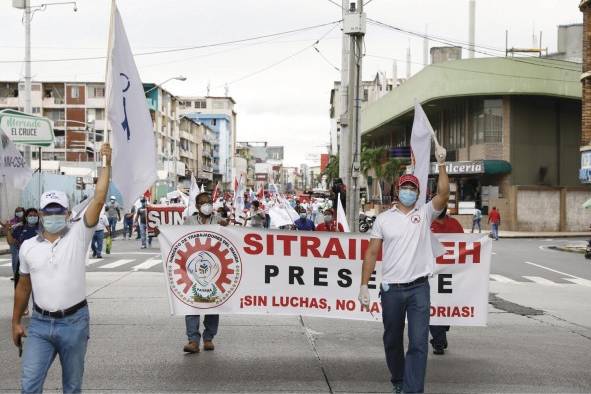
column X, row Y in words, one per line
column 107, row 93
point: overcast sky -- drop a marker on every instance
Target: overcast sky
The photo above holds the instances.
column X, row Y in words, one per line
column 286, row 104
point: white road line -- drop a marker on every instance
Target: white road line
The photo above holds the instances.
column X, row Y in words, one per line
column 93, row 261
column 2, row 260
column 579, row 281
column 553, row 270
column 6, row 265
column 116, row 263
column 540, row 280
column 502, row 279
column 146, row 264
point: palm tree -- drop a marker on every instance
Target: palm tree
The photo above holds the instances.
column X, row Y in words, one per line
column 373, row 159
column 392, row 170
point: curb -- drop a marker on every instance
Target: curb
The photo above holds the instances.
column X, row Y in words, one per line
column 567, row 249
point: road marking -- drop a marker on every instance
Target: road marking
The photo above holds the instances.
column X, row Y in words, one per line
column 6, row 265
column 502, row 279
column 93, row 261
column 540, row 280
column 128, row 253
column 579, row 281
column 116, row 263
column 146, row 264
column 553, row 270
column 2, row 260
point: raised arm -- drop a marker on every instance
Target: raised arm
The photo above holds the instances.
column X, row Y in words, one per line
column 440, row 200
column 93, row 211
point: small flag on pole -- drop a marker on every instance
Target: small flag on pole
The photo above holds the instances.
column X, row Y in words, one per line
column 134, row 153
column 341, row 216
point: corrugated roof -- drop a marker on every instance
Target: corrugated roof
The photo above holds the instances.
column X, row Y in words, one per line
column 476, row 77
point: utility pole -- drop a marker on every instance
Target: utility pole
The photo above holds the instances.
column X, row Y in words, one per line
column 27, row 106
column 354, row 26
column 343, row 123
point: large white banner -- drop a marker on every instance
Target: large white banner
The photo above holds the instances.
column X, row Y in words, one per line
column 237, row 270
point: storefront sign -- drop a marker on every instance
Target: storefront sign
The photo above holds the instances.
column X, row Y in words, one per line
column 26, row 129
column 460, row 167
column 235, row 270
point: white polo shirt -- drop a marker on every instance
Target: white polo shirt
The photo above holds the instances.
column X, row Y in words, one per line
column 407, row 246
column 58, row 269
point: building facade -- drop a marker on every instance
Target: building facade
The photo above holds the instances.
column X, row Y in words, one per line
column 511, row 129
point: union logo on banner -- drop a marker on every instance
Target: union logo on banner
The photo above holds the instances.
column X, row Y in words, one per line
column 204, row 269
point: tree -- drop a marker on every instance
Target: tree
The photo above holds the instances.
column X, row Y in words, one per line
column 332, row 169
column 392, row 170
column 373, row 159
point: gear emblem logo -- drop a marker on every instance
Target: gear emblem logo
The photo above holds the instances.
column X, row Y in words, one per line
column 204, row 269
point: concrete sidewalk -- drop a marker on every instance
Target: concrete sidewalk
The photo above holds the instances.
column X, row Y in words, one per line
column 533, row 234
column 136, row 346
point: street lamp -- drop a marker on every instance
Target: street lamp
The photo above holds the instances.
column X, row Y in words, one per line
column 178, row 78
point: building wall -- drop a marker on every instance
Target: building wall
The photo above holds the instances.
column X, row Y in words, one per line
column 544, row 133
column 577, row 217
column 538, row 210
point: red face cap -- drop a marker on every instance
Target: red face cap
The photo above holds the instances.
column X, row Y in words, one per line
column 408, row 178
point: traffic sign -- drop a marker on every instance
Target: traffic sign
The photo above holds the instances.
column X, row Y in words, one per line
column 26, row 129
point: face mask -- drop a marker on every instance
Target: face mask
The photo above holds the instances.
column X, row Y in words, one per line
column 206, row 209
column 54, row 224
column 328, row 218
column 19, row 214
column 32, row 220
column 407, row 197
column 302, row 215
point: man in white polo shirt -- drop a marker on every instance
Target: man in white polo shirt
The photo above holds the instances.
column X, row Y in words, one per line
column 53, row 267
column 405, row 234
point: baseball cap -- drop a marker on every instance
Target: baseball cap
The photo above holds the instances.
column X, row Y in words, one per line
column 408, row 178
column 54, row 197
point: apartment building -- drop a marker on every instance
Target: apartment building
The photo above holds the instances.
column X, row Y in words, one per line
column 219, row 115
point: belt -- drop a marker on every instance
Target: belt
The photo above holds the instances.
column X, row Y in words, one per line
column 64, row 312
column 414, row 282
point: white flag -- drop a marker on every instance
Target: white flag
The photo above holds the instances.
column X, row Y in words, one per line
column 134, row 148
column 341, row 216
column 13, row 168
column 420, row 143
column 193, row 192
column 203, row 188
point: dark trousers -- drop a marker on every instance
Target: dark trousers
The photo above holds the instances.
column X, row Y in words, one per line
column 211, row 323
column 97, row 242
column 439, row 335
column 413, row 303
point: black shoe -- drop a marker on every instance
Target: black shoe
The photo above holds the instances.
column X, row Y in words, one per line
column 438, row 351
column 445, row 344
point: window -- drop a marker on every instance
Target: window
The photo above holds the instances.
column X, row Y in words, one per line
column 75, row 92
column 214, row 122
column 365, row 94
column 36, row 110
column 487, row 121
column 200, row 104
column 97, row 92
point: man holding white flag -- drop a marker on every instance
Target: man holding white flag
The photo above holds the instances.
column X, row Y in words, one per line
column 134, row 152
column 408, row 261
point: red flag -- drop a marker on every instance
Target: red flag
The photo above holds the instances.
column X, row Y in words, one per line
column 261, row 192
column 216, row 192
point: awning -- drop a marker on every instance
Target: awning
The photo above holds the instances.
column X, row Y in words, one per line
column 493, row 167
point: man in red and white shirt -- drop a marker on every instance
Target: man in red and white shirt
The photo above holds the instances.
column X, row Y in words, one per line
column 329, row 222
column 404, row 232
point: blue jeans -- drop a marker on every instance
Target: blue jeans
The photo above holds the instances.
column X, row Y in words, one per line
column 112, row 225
column 414, row 303
column 476, row 222
column 14, row 258
column 143, row 232
column 495, row 231
column 211, row 323
column 48, row 337
column 127, row 227
column 97, row 242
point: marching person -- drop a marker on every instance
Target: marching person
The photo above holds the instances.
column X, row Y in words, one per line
column 141, row 221
column 303, row 223
column 114, row 215
column 329, row 222
column 203, row 215
column 476, row 218
column 53, row 266
column 128, row 223
column 257, row 215
column 443, row 224
column 405, row 234
column 17, row 220
column 99, row 235
column 494, row 219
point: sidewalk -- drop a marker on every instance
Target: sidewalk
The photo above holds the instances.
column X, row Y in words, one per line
column 532, row 234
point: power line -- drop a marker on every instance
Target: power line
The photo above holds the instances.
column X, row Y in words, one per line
column 442, row 65
column 185, row 48
column 451, row 42
column 326, row 59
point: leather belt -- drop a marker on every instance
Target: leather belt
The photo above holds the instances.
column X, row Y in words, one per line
column 64, row 312
column 414, row 282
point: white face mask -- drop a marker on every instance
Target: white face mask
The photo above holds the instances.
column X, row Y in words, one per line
column 206, row 209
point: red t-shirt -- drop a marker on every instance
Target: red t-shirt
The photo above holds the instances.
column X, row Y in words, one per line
column 449, row 225
column 330, row 227
column 494, row 217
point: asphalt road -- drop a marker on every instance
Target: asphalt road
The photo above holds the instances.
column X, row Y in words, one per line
column 538, row 339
